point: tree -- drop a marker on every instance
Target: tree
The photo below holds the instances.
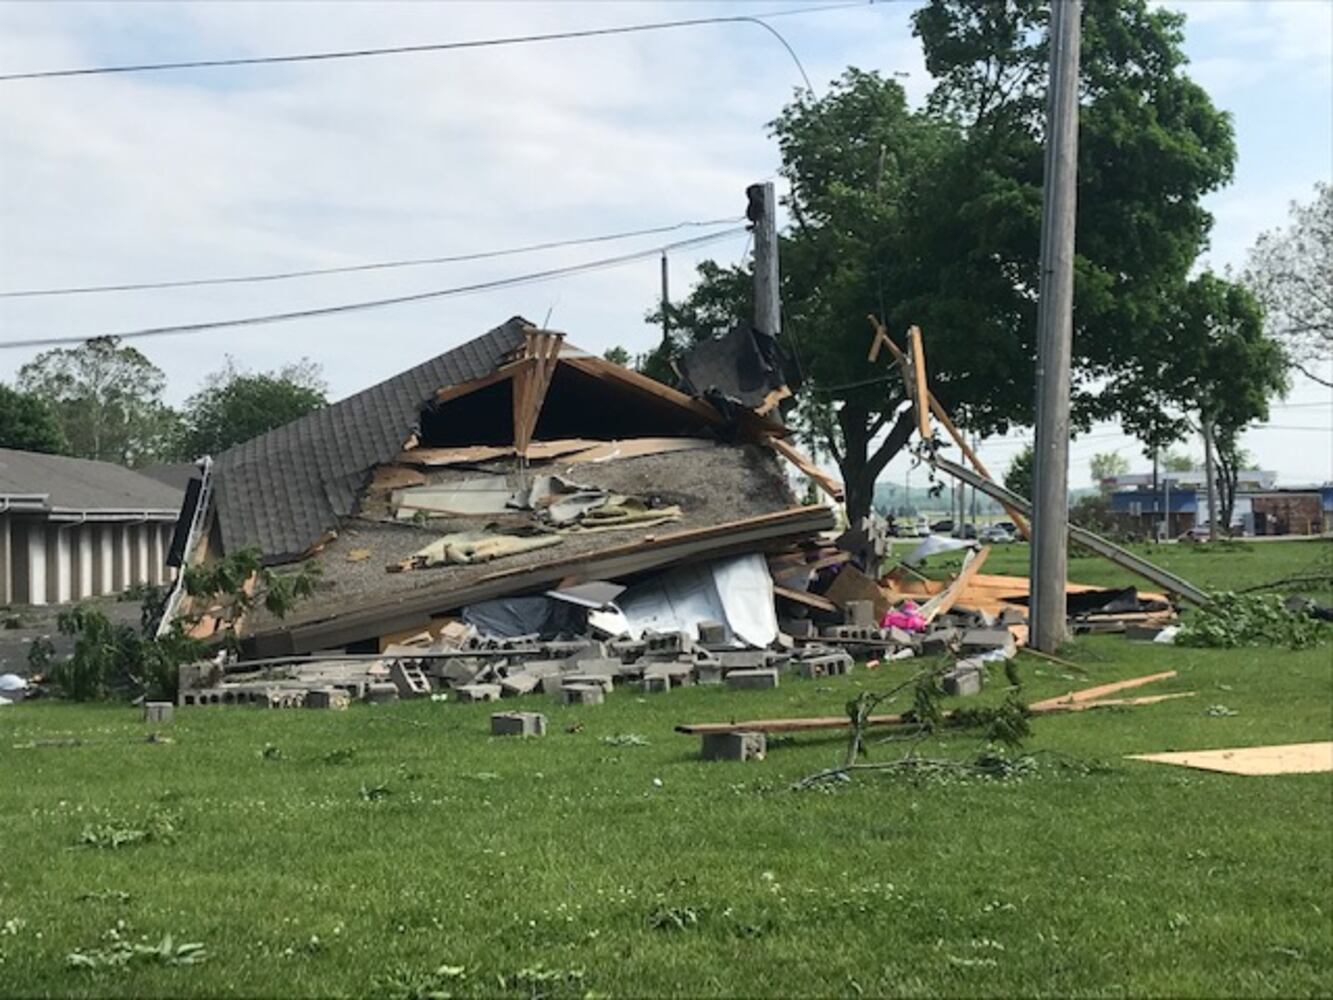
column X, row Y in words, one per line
column 1018, row 477
column 1291, row 273
column 934, row 218
column 1179, row 461
column 618, row 356
column 107, row 400
column 28, row 423
column 235, row 406
column 1222, row 370
column 1106, row 464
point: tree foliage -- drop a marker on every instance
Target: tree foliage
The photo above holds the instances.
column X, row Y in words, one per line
column 1106, row 464
column 934, row 218
column 107, row 400
column 1018, row 477
column 1291, row 272
column 235, row 406
column 28, row 423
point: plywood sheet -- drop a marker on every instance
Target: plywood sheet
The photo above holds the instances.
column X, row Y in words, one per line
column 1287, row 758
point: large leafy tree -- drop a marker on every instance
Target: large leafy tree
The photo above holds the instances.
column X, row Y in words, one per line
column 1218, row 370
column 1291, row 272
column 235, row 405
column 1106, row 464
column 28, row 423
column 107, row 400
column 934, row 218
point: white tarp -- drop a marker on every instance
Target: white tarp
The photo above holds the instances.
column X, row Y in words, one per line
column 737, row 592
column 934, row 545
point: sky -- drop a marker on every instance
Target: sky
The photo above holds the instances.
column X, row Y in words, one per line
column 211, row 172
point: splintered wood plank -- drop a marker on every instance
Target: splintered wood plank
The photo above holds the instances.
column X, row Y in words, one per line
column 637, row 448
column 922, row 393
column 395, row 477
column 803, row 597
column 825, row 482
column 1100, row 691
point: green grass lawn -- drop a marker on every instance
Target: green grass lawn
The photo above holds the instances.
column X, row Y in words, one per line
column 580, row 863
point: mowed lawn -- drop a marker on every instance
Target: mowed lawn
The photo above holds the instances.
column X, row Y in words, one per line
column 356, row 853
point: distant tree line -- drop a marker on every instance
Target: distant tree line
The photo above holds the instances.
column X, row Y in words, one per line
column 103, row 400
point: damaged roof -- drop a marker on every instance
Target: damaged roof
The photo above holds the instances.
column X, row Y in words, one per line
column 284, row 490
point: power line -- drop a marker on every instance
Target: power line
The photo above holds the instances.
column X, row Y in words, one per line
column 354, row 268
column 477, row 43
column 521, row 279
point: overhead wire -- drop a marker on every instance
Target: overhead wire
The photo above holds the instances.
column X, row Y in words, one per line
column 347, row 307
column 357, row 268
column 477, row 43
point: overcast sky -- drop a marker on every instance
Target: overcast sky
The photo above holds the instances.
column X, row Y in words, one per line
column 267, row 168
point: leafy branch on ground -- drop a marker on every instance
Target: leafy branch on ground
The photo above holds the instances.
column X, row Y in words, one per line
column 158, row 827
column 1249, row 620
column 119, row 951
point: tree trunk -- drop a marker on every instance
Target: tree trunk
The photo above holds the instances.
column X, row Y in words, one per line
column 1210, row 473
column 858, row 465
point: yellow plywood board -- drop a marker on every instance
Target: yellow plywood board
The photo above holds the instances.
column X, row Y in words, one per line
column 1287, row 758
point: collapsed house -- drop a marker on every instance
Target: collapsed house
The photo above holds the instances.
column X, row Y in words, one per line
column 513, row 465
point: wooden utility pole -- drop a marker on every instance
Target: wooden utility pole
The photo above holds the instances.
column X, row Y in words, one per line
column 762, row 212
column 666, row 301
column 1055, row 326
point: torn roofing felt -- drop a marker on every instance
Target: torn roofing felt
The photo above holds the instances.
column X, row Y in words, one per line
column 743, row 366
column 284, row 490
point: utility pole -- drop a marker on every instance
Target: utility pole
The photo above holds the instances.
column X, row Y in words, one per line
column 1055, row 326
column 666, row 301
column 762, row 212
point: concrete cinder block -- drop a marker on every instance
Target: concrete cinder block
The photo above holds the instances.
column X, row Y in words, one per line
column 518, row 724
column 829, row 665
column 582, row 694
column 598, row 680
column 708, row 673
column 800, row 628
column 381, row 693
column 158, row 711
column 602, row 666
column 479, row 692
column 740, row 679
column 978, row 639
column 941, row 640
column 552, row 683
column 712, row 633
column 518, row 683
column 860, row 613
column 655, row 683
column 327, row 697
column 666, row 642
column 742, row 659
column 733, row 746
column 965, row 679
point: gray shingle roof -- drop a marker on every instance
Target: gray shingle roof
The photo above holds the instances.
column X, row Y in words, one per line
column 80, row 484
column 284, row 489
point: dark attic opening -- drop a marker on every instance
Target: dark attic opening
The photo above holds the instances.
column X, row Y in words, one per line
column 577, row 405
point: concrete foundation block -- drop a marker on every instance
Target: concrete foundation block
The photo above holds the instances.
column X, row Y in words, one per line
column 708, row 673
column 582, row 694
column 158, row 712
column 671, row 643
column 829, row 665
column 861, row 613
column 598, row 680
column 327, row 697
column 601, row 666
column 712, row 633
column 990, row 638
column 519, row 683
column 655, row 683
column 734, row 746
column 742, row 659
column 964, row 680
column 518, row 724
column 479, row 692
column 381, row 693
column 552, row 684
column 744, row 679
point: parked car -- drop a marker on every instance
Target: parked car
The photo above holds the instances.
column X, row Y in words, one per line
column 944, row 527
column 967, row 531
column 995, row 535
column 1008, row 526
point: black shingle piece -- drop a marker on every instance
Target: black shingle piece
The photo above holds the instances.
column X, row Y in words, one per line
column 283, row 490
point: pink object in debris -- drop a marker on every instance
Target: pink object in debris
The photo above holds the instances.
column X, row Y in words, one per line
column 906, row 616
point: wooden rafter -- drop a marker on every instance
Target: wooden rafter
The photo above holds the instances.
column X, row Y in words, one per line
column 825, row 482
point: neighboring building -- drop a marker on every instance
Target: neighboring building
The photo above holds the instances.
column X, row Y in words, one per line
column 71, row 528
column 1261, row 508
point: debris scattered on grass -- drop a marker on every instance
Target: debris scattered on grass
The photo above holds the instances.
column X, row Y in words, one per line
column 343, row 755
column 103, row 896
column 413, row 984
column 625, row 740
column 120, row 952
column 374, row 793
column 1219, row 711
column 271, row 752
column 156, row 828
